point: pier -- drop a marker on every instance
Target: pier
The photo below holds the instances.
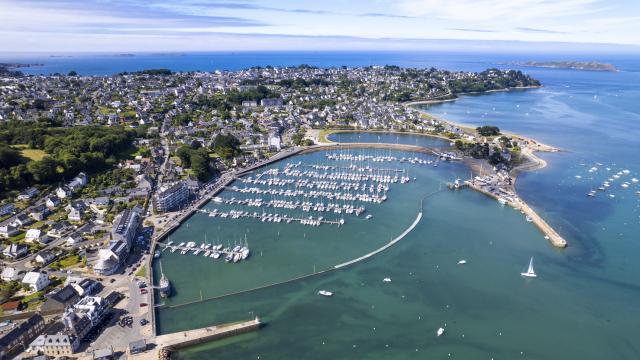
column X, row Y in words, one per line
column 165, row 344
column 550, row 234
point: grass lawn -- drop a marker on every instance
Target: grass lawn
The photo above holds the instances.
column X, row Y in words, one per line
column 31, row 154
column 66, row 262
column 142, row 272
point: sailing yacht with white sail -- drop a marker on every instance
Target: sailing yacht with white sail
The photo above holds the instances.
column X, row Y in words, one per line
column 530, row 272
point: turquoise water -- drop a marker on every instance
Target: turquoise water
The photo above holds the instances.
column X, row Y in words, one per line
column 583, row 305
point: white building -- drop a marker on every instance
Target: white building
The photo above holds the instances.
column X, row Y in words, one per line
column 9, row 274
column 33, row 235
column 36, row 281
column 55, row 345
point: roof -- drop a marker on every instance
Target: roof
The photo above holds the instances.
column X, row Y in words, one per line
column 32, row 277
column 9, row 272
column 137, row 345
column 11, row 305
column 20, row 329
column 100, row 353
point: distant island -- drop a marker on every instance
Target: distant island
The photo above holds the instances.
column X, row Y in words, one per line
column 574, row 65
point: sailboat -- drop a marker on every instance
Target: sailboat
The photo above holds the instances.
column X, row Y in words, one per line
column 530, row 272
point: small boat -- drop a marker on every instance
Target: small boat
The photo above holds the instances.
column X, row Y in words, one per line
column 462, row 262
column 387, row 279
column 440, row 332
column 157, row 254
column 368, row 216
column 325, row 293
column 529, row 219
column 530, row 272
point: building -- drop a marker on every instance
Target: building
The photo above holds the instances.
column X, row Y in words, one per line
column 39, row 213
column 55, row 345
column 18, row 339
column 8, row 231
column 10, row 307
column 137, row 347
column 103, row 354
column 22, row 220
column 33, row 235
column 9, row 274
column 45, row 257
column 271, row 102
column 28, row 194
column 110, row 259
column 172, row 197
column 7, row 209
column 84, row 316
column 36, row 280
column 63, row 298
column 63, row 192
column 52, row 202
column 15, row 251
column 274, row 142
column 126, row 227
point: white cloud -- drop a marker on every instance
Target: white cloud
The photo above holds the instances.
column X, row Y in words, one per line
column 506, row 10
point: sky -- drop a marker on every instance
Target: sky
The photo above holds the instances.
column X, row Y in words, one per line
column 222, row 25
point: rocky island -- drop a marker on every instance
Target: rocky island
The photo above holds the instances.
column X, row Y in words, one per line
column 573, row 65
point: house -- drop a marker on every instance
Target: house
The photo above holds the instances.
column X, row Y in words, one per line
column 28, row 194
column 8, row 231
column 9, row 274
column 22, row 220
column 36, row 280
column 274, row 142
column 52, row 202
column 20, row 337
column 39, row 213
column 75, row 215
column 45, row 257
column 58, row 229
column 10, row 307
column 15, row 251
column 85, row 287
column 74, row 239
column 33, row 235
column 78, row 182
column 55, row 345
column 7, row 209
column 63, row 192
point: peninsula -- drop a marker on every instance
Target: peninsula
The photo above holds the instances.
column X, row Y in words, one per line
column 573, row 65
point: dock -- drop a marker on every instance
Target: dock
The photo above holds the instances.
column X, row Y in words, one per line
column 550, row 234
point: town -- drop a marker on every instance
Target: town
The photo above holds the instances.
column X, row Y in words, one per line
column 94, row 168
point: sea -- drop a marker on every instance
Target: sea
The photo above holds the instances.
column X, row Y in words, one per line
column 582, row 305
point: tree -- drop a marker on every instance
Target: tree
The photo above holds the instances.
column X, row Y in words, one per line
column 488, row 130
column 184, row 153
column 9, row 156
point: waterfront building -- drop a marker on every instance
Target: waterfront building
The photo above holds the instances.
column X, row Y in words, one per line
column 55, row 345
column 20, row 337
column 84, row 316
column 171, row 197
column 125, row 227
column 110, row 258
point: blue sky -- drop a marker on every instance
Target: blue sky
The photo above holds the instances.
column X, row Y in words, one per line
column 202, row 25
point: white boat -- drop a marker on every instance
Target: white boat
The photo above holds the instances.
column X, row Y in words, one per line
column 440, row 332
column 462, row 262
column 368, row 216
column 529, row 219
column 387, row 279
column 325, row 293
column 530, row 272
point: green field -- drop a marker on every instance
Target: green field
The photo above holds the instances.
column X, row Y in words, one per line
column 31, row 154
